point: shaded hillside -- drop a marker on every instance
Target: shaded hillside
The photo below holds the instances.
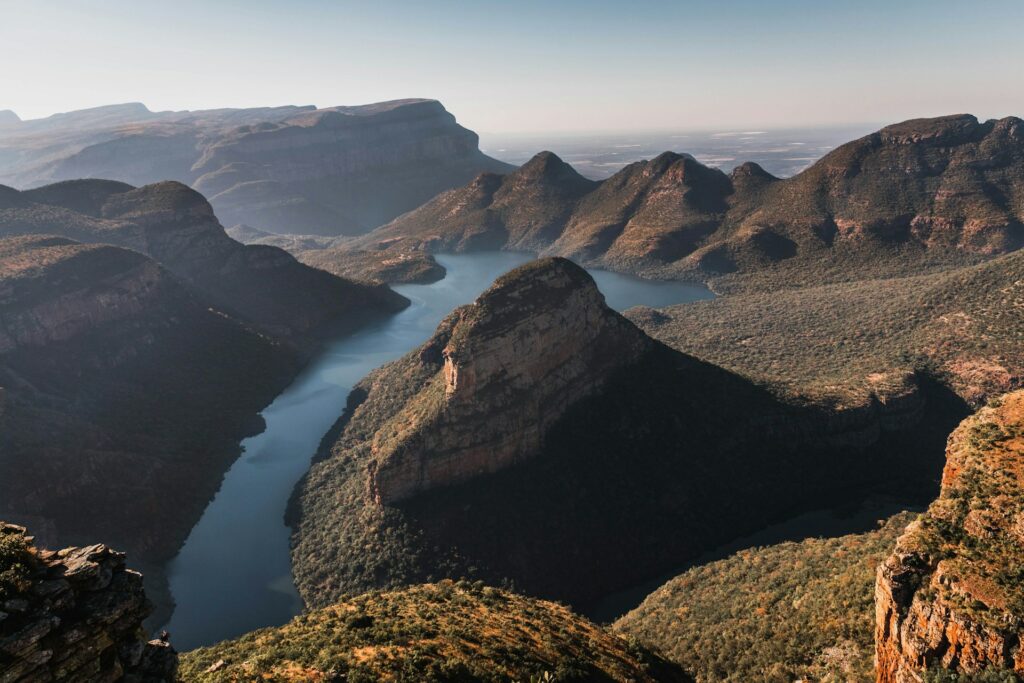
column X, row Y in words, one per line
column 792, row 611
column 539, row 432
column 124, row 395
column 911, row 197
column 177, row 227
column 437, row 632
column 339, row 170
column 964, row 328
column 951, row 594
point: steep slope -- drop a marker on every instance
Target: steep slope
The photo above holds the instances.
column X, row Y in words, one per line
column 75, row 615
column 435, row 632
column 786, row 612
column 539, row 432
column 951, row 595
column 124, row 395
column 340, row 170
column 913, row 196
column 177, row 227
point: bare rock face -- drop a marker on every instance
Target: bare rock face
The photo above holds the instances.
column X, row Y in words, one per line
column 74, row 615
column 538, row 340
column 951, row 595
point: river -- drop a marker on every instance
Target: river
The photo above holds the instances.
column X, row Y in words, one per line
column 233, row 574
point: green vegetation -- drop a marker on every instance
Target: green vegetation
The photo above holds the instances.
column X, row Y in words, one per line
column 16, row 561
column 452, row 632
column 843, row 342
column 938, row 674
column 776, row 614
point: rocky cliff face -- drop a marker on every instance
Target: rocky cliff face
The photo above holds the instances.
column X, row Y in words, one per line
column 340, row 170
column 177, row 227
column 927, row 191
column 74, row 615
column 508, row 375
column 951, row 594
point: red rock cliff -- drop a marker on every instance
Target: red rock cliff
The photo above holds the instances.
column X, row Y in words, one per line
column 952, row 593
column 538, row 340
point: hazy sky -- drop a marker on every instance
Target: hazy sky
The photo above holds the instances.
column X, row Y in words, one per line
column 520, row 65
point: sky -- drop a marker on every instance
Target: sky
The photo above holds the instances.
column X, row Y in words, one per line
column 525, row 66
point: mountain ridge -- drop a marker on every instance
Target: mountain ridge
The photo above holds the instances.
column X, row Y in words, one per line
column 337, row 170
column 921, row 194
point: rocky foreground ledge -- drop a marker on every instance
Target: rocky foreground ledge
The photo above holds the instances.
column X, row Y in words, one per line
column 74, row 615
column 951, row 595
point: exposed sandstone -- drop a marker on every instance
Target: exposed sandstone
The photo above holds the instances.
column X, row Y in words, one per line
column 539, row 340
column 76, row 615
column 951, row 595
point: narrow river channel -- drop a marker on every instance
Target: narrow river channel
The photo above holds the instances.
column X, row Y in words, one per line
column 233, row 574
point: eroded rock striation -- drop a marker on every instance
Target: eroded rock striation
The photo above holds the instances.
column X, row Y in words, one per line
column 910, row 197
column 951, row 595
column 339, row 170
column 74, row 615
column 508, row 375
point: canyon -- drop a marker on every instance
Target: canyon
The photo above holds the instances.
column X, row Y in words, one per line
column 294, row 169
column 138, row 344
column 567, row 432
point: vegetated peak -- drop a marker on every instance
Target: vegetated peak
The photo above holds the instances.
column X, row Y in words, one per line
column 547, row 166
column 10, row 198
column 540, row 282
column 158, row 200
column 952, row 128
column 8, row 117
column 84, row 196
column 750, row 170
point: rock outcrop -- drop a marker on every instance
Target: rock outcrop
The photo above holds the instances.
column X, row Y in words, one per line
column 340, row 170
column 951, row 595
column 909, row 197
column 508, row 375
column 74, row 615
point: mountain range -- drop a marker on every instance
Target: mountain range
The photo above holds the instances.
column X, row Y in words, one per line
column 338, row 170
column 917, row 195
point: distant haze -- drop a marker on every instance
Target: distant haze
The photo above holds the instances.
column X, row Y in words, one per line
column 527, row 66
